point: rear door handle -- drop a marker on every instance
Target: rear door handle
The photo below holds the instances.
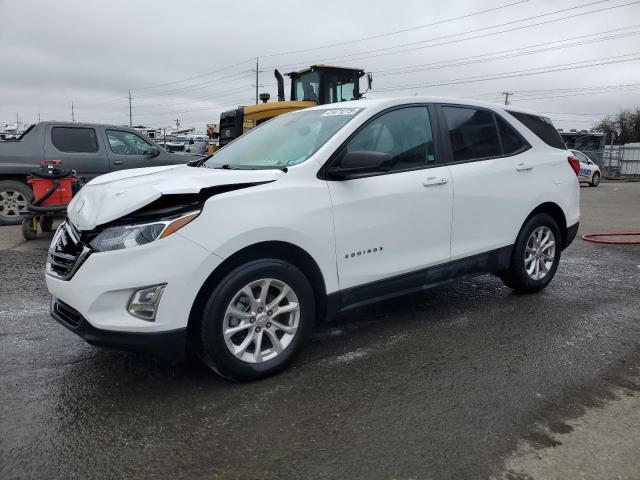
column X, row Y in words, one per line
column 434, row 181
column 117, row 162
column 523, row 167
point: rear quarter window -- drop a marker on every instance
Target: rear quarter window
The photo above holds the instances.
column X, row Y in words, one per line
column 542, row 127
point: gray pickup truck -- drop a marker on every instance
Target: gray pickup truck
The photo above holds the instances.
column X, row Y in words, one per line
column 89, row 149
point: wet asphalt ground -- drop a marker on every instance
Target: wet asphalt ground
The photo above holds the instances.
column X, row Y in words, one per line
column 443, row 384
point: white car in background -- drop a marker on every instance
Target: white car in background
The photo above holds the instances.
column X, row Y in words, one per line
column 589, row 171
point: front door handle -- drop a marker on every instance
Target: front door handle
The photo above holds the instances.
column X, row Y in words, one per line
column 117, row 162
column 524, row 167
column 434, row 181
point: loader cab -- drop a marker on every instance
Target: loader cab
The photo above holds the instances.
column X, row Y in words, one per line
column 326, row 84
column 316, row 85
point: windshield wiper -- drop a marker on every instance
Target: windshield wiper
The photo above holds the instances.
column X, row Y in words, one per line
column 196, row 163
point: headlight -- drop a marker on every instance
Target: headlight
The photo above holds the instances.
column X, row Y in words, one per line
column 127, row 236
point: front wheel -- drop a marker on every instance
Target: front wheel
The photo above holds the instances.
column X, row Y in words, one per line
column 595, row 180
column 535, row 256
column 256, row 320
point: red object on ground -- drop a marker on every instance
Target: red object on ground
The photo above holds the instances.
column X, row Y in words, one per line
column 62, row 194
column 590, row 237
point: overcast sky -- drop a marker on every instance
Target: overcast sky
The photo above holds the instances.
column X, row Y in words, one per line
column 183, row 59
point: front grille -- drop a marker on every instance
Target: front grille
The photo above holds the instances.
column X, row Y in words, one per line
column 66, row 314
column 66, row 252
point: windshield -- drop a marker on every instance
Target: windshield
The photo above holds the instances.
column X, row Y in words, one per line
column 283, row 141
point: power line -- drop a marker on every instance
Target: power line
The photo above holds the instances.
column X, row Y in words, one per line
column 582, row 94
column 396, row 32
column 555, row 90
column 515, row 73
column 229, row 78
column 478, row 58
column 195, row 76
column 219, row 95
column 358, row 55
column 197, row 86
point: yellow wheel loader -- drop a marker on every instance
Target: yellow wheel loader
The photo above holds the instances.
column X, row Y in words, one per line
column 316, row 85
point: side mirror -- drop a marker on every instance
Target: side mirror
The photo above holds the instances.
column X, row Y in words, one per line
column 359, row 163
column 152, row 152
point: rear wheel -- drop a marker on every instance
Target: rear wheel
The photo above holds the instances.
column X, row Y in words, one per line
column 256, row 320
column 595, row 179
column 535, row 256
column 14, row 197
column 30, row 228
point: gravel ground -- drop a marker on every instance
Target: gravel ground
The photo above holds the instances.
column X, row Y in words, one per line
column 465, row 381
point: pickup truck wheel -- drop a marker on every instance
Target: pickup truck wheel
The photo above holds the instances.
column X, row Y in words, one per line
column 256, row 320
column 14, row 197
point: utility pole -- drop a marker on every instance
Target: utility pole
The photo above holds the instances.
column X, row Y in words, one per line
column 73, row 115
column 177, row 123
column 130, row 116
column 506, row 97
column 17, row 123
column 38, row 116
column 258, row 72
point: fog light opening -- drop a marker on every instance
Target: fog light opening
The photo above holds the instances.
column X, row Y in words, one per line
column 144, row 302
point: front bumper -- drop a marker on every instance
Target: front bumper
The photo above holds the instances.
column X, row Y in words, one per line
column 170, row 345
column 101, row 288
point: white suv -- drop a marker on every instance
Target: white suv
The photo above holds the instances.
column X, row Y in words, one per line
column 313, row 212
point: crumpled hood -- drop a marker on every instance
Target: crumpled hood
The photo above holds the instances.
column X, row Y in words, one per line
column 114, row 195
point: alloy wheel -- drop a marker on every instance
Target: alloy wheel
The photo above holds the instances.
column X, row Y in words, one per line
column 261, row 320
column 540, row 253
column 12, row 203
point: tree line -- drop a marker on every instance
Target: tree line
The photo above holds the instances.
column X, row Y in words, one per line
column 623, row 127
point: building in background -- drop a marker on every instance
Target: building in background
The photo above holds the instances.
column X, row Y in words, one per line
column 590, row 143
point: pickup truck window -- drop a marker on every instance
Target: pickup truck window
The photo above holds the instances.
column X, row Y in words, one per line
column 126, row 143
column 74, row 139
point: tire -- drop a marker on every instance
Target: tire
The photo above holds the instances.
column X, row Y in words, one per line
column 257, row 322
column 29, row 231
column 14, row 197
column 517, row 277
column 46, row 224
column 595, row 179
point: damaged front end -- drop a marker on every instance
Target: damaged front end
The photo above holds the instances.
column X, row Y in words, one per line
column 131, row 209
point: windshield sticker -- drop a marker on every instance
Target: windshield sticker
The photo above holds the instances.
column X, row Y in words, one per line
column 339, row 112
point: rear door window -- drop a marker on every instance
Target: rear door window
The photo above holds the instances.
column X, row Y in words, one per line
column 542, row 127
column 472, row 133
column 74, row 139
